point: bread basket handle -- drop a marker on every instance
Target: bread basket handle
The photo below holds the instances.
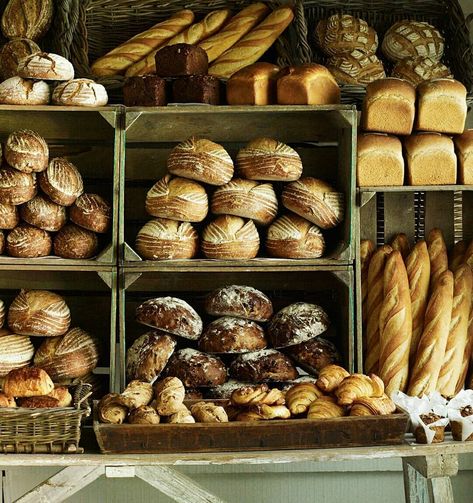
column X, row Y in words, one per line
column 81, row 393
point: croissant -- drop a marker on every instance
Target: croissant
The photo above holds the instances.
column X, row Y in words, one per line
column 110, row 411
column 372, row 406
column 325, row 407
column 208, row 412
column 357, row 386
column 254, row 395
column 300, row 396
column 136, row 394
column 263, row 411
column 330, row 377
column 170, row 393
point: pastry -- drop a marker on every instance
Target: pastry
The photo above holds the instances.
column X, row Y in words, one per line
column 264, row 412
column 428, row 419
column 246, row 396
column 208, row 412
column 62, row 395
column 457, row 426
column 169, row 394
column 330, row 377
column 182, row 416
column 373, row 406
column 358, row 385
column 325, row 407
column 136, row 394
column 111, row 412
column 143, row 415
column 300, row 397
column 27, row 382
column 45, row 66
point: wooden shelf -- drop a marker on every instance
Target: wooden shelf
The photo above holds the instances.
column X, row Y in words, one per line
column 417, row 188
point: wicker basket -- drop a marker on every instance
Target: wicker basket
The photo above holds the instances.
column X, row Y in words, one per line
column 45, row 430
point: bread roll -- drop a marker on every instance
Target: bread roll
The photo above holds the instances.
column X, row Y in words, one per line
column 136, row 394
column 163, row 239
column 170, row 394
column 31, row 19
column 268, row 159
column 379, row 161
column 7, row 401
column 144, row 414
column 18, row 91
column 43, row 213
column 26, row 151
column 367, row 249
column 230, row 238
column 420, row 69
column 26, row 241
column 182, row 416
column 437, row 254
column 464, row 151
column 246, row 199
column 457, row 255
column 12, row 53
column 16, row 351
column 308, row 84
column 39, row 313
column 314, row 355
column 177, row 199
column 389, row 107
column 356, row 68
column 201, row 160
column 315, row 200
column 431, row 349
column 208, row 412
column 110, row 411
column 253, row 85
column 9, row 216
column 45, row 66
column 74, row 242
column 291, row 236
column 80, row 93
column 62, row 395
column 61, row 182
column 16, row 187
column 26, row 382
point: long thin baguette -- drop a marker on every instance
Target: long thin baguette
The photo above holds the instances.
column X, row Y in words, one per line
column 400, row 242
column 458, row 334
column 457, row 255
column 432, row 344
column 367, row 249
column 438, row 254
column 467, row 355
column 238, row 26
column 468, row 258
column 119, row 59
column 253, row 45
column 395, row 325
column 197, row 32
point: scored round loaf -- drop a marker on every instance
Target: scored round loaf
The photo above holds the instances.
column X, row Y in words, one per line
column 18, row 91
column 27, row 381
column 246, row 199
column 172, row 315
column 38, row 402
column 297, row 323
column 230, row 238
column 196, row 369
column 30, row 19
column 164, row 239
column 292, row 236
column 418, row 70
column 314, row 200
column 356, row 68
column 148, row 355
column 26, row 151
column 263, row 366
column 201, row 160
column 268, row 159
column 45, row 66
column 314, row 355
column 72, row 355
column 80, row 93
column 16, row 351
column 61, row 182
column 26, row 241
column 177, row 199
column 232, row 335
column 12, row 53
column 91, row 212
column 9, row 216
column 74, row 242
column 39, row 313
column 239, row 301
column 44, row 214
column 16, row 187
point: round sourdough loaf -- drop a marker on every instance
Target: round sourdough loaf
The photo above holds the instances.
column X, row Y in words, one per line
column 30, row 19
column 61, row 182
column 230, row 238
column 45, row 66
column 420, row 69
column 356, row 68
column 172, row 315
column 201, row 160
column 239, row 301
column 44, row 214
column 16, row 187
column 26, row 151
column 12, row 53
column 177, row 199
column 247, row 199
column 74, row 242
column 18, row 91
column 80, row 93
column 16, row 351
column 164, row 239
column 26, row 241
column 91, row 212
column 73, row 355
column 26, row 382
column 314, row 355
column 9, row 216
column 291, row 236
column 39, row 313
column 314, row 200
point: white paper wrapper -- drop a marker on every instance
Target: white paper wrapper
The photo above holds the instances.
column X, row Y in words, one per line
column 463, row 399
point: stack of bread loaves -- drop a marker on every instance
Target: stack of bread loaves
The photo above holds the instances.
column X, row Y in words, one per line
column 31, row 216
column 179, row 200
column 417, row 313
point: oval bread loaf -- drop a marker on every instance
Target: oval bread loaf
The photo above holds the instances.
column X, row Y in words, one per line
column 61, row 181
column 45, row 66
column 44, row 214
column 12, row 53
column 26, row 151
column 16, row 351
column 26, row 241
column 18, row 91
column 74, row 242
column 27, row 19
column 80, row 93
column 92, row 212
column 9, row 216
column 16, row 187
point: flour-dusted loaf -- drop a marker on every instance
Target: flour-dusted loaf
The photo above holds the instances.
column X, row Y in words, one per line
column 26, row 241
column 18, row 91
column 230, row 238
column 29, row 19
column 148, row 355
column 92, row 212
column 12, row 53
column 297, row 323
column 292, row 236
column 201, row 160
column 26, row 151
column 43, row 213
column 164, row 239
column 420, row 69
column 177, row 198
column 172, row 315
column 314, row 354
column 224, row 391
column 316, row 201
column 232, row 335
column 253, row 85
column 9, row 216
column 39, row 313
column 464, row 151
column 27, row 382
column 74, row 242
column 16, row 187
column 61, row 181
column 80, row 93
column 45, row 66
column 246, row 199
column 73, row 355
column 16, row 351
column 239, row 301
column 356, row 68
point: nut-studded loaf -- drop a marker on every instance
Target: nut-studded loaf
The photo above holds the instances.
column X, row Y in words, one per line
column 45, row 66
column 12, row 53
column 16, row 351
column 61, row 182
column 26, row 151
column 27, row 381
column 356, row 68
column 418, row 70
column 43, row 213
column 26, row 241
column 91, row 212
column 74, row 242
column 16, row 187
column 18, row 91
column 27, row 19
column 314, row 355
column 80, row 93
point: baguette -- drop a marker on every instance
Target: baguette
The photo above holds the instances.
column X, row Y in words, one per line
column 457, row 255
column 373, row 307
column 467, row 355
column 234, row 30
column 211, row 23
column 418, row 273
column 438, row 254
column 395, row 325
column 400, row 242
column 253, row 45
column 119, row 59
column 367, row 249
column 433, row 341
column 458, row 334
column 468, row 258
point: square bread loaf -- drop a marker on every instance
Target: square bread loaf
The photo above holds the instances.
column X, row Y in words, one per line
column 464, row 149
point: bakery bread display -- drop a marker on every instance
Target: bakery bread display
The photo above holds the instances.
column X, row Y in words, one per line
column 144, row 91
column 91, row 212
column 196, row 89
column 464, row 149
column 314, row 355
column 27, row 382
column 261, row 366
column 31, row 20
column 18, row 91
column 253, row 85
column 74, row 242
column 26, row 151
column 356, row 67
column 61, row 181
column 12, row 53
column 80, row 93
column 16, row 187
column 421, row 69
column 26, row 241
column 45, row 66
column 44, row 214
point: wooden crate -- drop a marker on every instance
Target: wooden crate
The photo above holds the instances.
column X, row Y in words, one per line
column 324, row 137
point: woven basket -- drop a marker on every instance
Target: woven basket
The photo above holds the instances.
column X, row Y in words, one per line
column 32, row 431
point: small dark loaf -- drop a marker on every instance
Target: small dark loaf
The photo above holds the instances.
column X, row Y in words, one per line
column 314, row 355
column 74, row 242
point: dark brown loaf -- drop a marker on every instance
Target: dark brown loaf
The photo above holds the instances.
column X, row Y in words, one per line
column 239, row 301
column 144, row 91
column 91, row 212
column 16, row 187
column 74, row 242
column 314, row 355
column 61, row 182
column 232, row 335
column 12, row 53
column 26, row 151
column 27, row 381
column 27, row 19
column 44, row 214
column 26, row 241
column 172, row 315
column 9, row 216
column 181, row 59
column 38, row 402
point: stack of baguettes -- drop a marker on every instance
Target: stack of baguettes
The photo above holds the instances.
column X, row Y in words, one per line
column 418, row 314
column 240, row 204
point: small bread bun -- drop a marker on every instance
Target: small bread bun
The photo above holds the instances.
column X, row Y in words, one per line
column 74, row 242
column 12, row 53
column 44, row 214
column 80, row 93
column 18, row 91
column 16, row 187
column 91, row 212
column 26, row 241
column 61, row 182
column 26, row 151
column 9, row 216
column 45, row 66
